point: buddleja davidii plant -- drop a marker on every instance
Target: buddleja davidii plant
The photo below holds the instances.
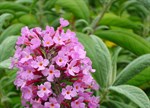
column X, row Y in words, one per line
column 53, row 69
column 106, row 74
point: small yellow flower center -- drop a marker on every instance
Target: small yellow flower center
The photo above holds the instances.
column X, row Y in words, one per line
column 27, row 56
column 44, row 89
column 29, row 71
column 52, row 105
column 40, row 64
column 77, row 87
column 51, row 72
column 77, row 102
column 60, row 60
column 47, row 42
column 68, row 92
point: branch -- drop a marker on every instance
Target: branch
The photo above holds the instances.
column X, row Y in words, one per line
column 100, row 16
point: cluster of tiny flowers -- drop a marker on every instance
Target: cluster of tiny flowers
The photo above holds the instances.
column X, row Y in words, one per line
column 53, row 70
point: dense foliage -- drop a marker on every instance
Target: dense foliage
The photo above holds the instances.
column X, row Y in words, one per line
column 115, row 34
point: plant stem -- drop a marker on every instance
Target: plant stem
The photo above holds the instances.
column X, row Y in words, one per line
column 100, row 16
column 40, row 13
column 104, row 94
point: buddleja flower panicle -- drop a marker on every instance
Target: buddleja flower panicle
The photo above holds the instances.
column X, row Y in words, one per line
column 53, row 69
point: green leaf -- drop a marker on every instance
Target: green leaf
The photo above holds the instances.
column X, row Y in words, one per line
column 117, row 104
column 11, row 30
column 49, row 4
column 141, row 78
column 5, row 99
column 19, row 14
column 127, row 4
column 135, row 94
column 24, row 1
column 7, row 47
column 130, row 41
column 2, row 11
column 134, row 5
column 5, row 64
column 3, row 18
column 13, row 6
column 100, row 56
column 114, row 63
column 28, row 19
column 133, row 69
column 111, row 19
column 77, row 7
column 11, row 94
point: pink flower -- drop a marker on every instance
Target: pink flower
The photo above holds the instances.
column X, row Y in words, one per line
column 69, row 36
column 94, row 85
column 87, row 79
column 36, row 104
column 27, row 74
column 81, row 53
column 68, row 92
column 78, row 87
column 94, row 102
column 26, row 92
column 19, row 82
column 47, row 41
column 52, row 103
column 49, row 31
column 51, row 73
column 22, row 40
column 40, row 63
column 37, row 31
column 58, row 39
column 63, row 22
column 72, row 69
column 44, row 89
column 18, row 52
column 78, row 103
column 35, row 43
column 26, row 55
column 61, row 61
column 25, row 31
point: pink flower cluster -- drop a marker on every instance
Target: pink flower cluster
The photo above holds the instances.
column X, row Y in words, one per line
column 53, row 70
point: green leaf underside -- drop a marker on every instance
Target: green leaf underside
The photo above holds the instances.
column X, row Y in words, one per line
column 141, row 78
column 5, row 64
column 117, row 104
column 11, row 30
column 3, row 18
column 135, row 94
column 7, row 47
column 133, row 69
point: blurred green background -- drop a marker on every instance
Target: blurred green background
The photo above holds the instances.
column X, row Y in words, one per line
column 123, row 25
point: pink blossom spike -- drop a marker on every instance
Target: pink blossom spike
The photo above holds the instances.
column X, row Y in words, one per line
column 53, row 69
